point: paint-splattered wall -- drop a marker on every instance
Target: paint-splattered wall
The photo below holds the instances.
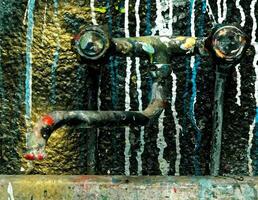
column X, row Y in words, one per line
column 40, row 72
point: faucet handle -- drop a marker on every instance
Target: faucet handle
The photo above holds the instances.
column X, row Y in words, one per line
column 227, row 43
column 92, row 42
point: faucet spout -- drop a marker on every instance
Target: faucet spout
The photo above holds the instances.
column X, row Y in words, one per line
column 93, row 119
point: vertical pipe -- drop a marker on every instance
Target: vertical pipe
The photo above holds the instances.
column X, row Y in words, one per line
column 94, row 103
column 217, row 122
column 93, row 81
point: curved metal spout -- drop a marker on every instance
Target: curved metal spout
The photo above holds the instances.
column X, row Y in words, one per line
column 89, row 119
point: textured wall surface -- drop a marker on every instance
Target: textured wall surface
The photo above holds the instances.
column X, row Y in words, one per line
column 40, row 72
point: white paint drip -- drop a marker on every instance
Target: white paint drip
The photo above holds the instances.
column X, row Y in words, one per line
column 127, row 108
column 255, row 65
column 225, row 9
column 164, row 27
column 93, row 14
column 137, row 17
column 127, row 93
column 44, row 23
column 238, row 76
column 127, row 151
column 161, row 144
column 219, row 11
column 176, row 121
column 25, row 15
column 10, row 192
column 193, row 20
column 210, row 13
column 139, row 91
column 250, row 145
column 255, row 44
column 242, row 13
column 222, row 15
column 192, row 61
column 170, row 22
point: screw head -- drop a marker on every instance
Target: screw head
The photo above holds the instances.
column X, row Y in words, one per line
column 92, row 43
column 228, row 43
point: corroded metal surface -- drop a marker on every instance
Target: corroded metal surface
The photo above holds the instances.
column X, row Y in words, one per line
column 119, row 187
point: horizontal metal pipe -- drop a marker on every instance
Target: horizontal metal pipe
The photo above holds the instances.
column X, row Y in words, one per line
column 120, row 187
column 160, row 47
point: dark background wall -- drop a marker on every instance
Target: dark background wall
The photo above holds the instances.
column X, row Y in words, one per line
column 60, row 81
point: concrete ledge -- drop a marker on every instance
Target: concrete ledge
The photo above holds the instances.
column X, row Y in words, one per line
column 40, row 187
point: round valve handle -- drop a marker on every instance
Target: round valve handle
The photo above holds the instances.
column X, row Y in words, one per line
column 226, row 43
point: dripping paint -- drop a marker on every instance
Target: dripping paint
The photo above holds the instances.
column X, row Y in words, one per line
column 238, row 77
column 28, row 61
column 56, row 58
column 29, row 39
column 163, row 28
column 242, row 13
column 255, row 65
column 139, row 91
column 93, row 14
column 250, row 145
column 222, row 14
column 127, row 94
column 194, row 64
column 176, row 121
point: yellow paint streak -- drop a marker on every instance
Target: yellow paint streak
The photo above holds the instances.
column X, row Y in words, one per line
column 181, row 38
column 189, row 43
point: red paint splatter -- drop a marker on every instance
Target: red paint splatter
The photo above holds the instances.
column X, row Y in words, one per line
column 48, row 120
column 40, row 156
column 29, row 156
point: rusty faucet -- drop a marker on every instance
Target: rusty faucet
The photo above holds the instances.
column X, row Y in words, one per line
column 225, row 45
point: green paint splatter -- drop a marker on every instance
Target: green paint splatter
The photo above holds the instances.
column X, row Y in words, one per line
column 100, row 10
column 121, row 10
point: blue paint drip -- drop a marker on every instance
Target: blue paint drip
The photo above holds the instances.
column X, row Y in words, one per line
column 112, row 60
column 198, row 134
column 53, row 74
column 55, row 62
column 29, row 39
column 109, row 14
column 148, row 18
column 193, row 119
